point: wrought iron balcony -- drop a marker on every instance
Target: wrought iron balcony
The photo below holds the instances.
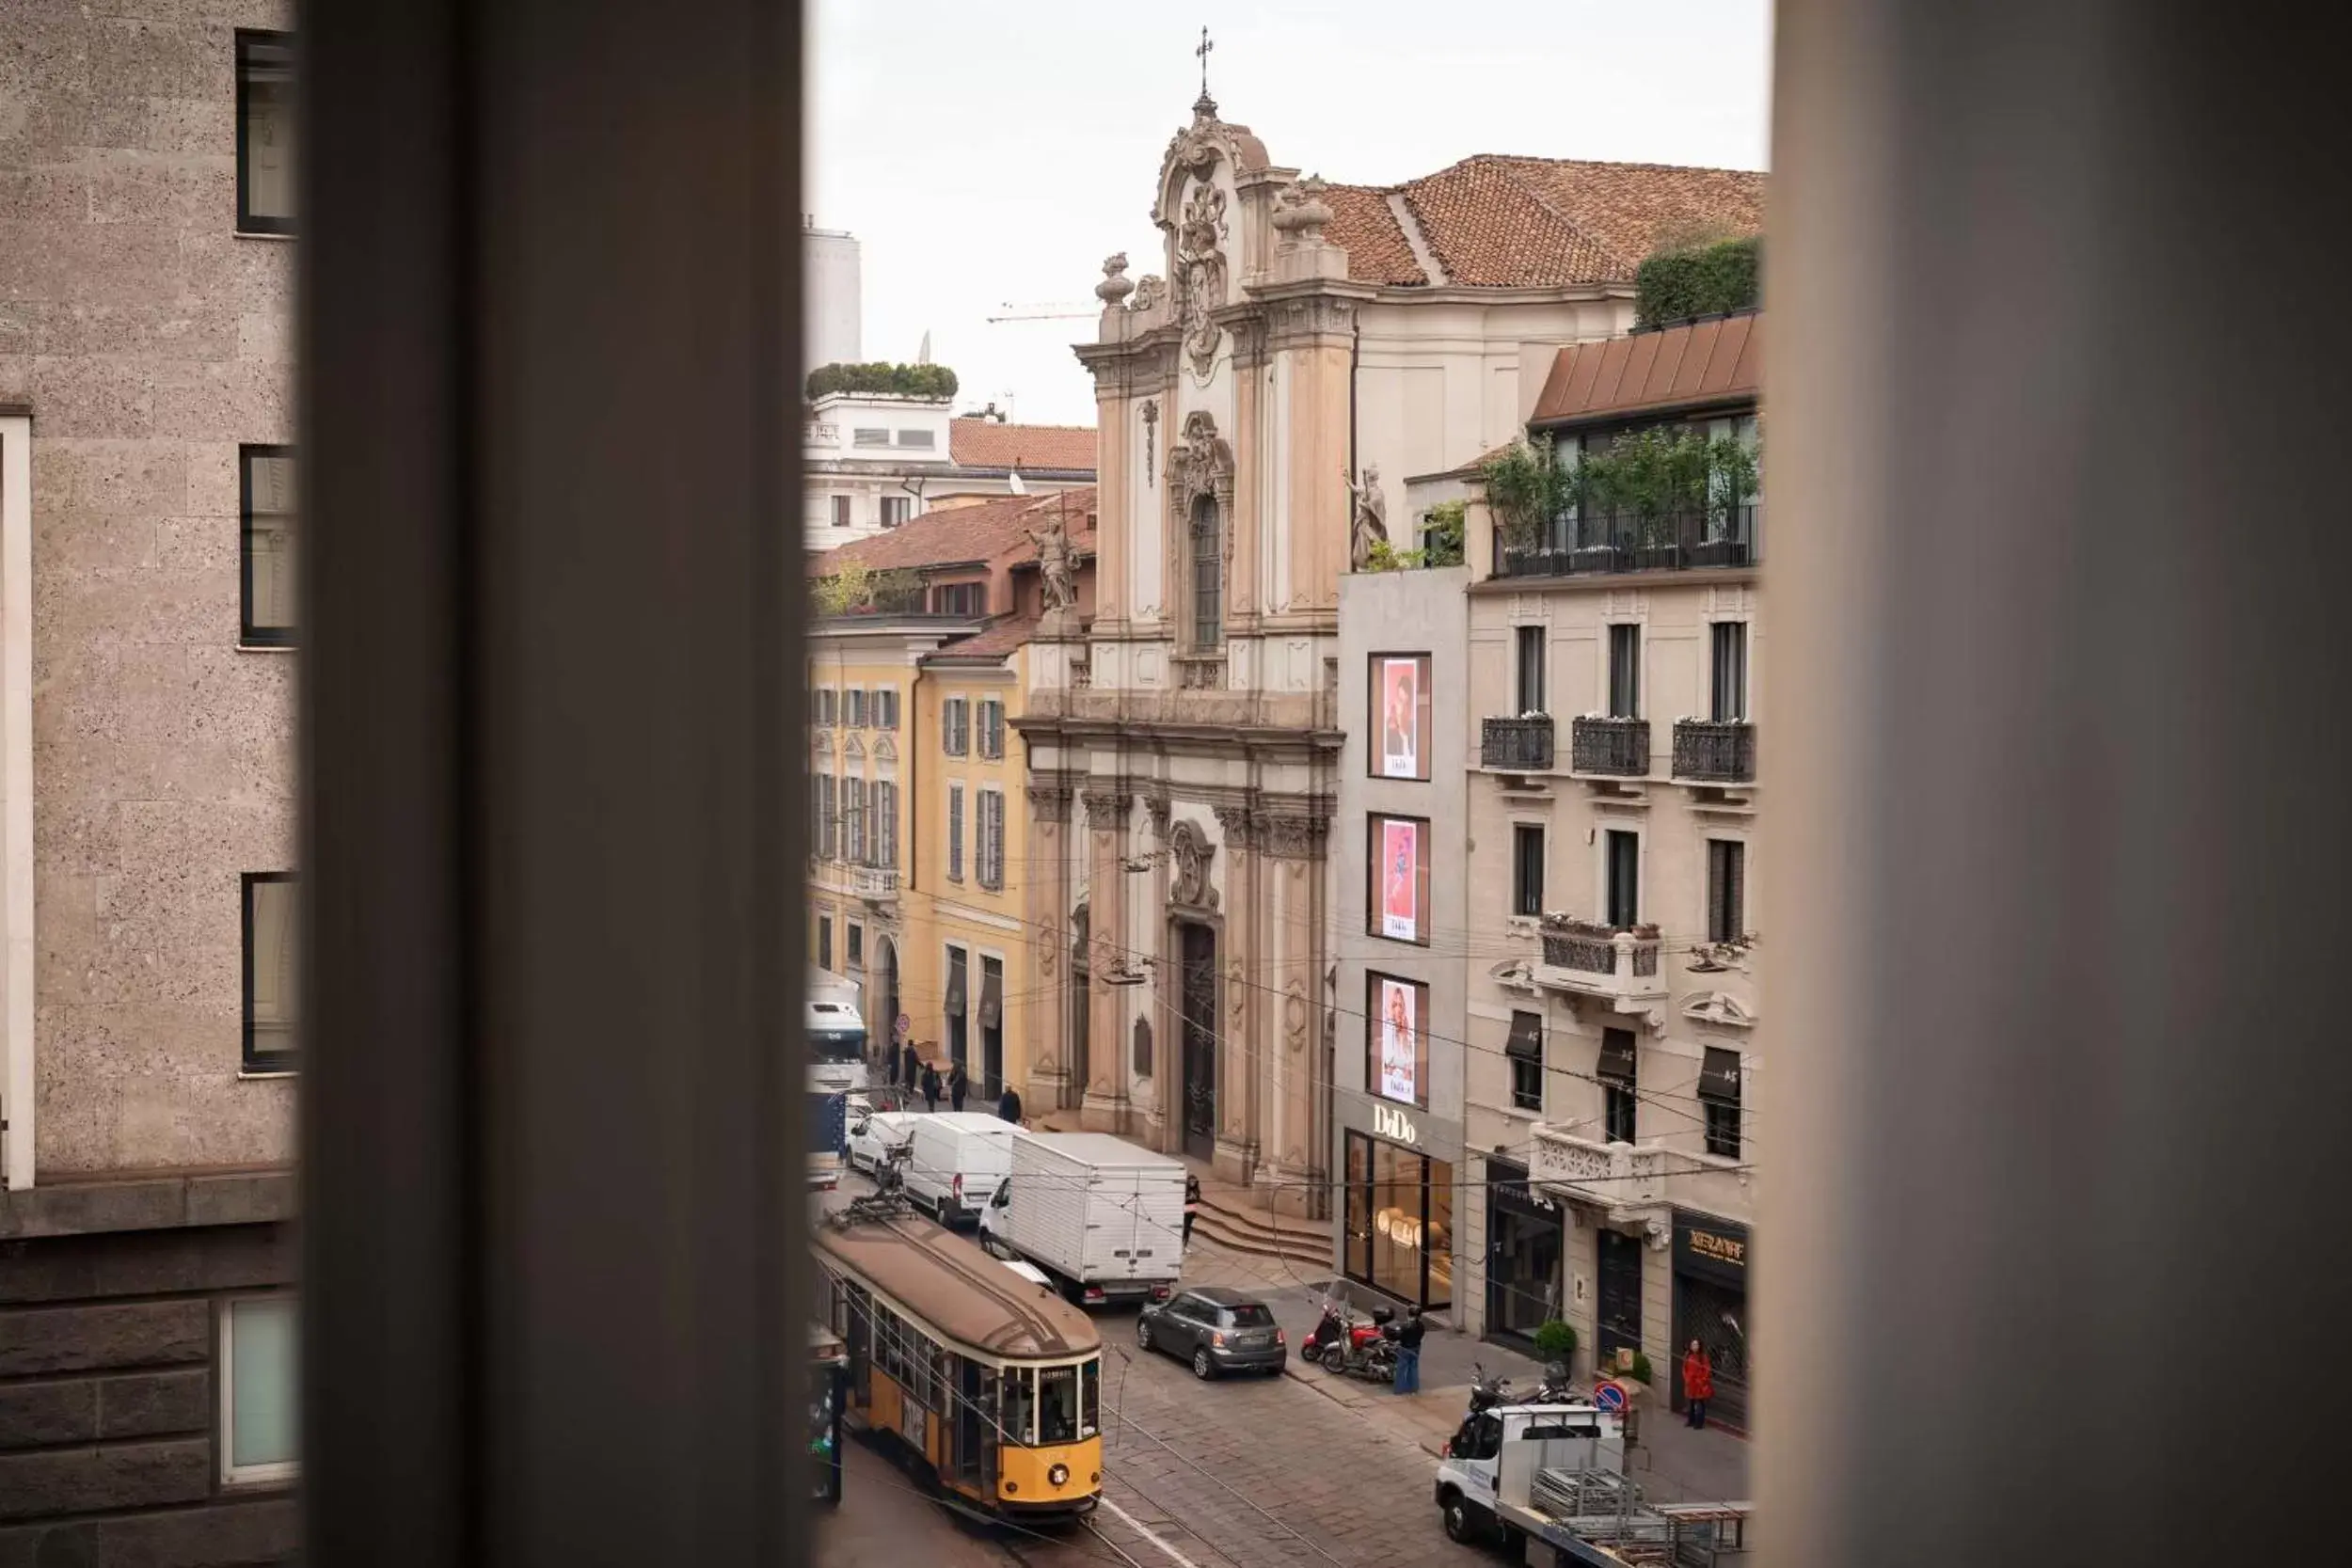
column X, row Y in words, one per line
column 1619, row 1178
column 1582, row 956
column 1624, row 542
column 1521, row 745
column 1616, row 747
column 1715, row 750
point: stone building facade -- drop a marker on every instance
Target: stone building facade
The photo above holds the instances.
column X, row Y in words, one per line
column 148, row 1013
column 1297, row 341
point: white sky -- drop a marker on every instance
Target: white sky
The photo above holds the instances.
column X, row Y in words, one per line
column 984, row 154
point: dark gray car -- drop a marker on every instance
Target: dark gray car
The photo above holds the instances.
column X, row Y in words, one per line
column 1216, row 1329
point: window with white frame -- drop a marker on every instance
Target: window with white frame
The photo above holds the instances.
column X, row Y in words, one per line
column 955, row 727
column 895, row 510
column 993, row 729
column 882, row 846
column 886, row 708
column 825, row 699
column 955, row 833
column 854, row 709
column 827, row 815
column 259, row 1392
column 854, row 820
column 990, row 852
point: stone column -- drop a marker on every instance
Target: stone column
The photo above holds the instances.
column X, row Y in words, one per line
column 1162, row 997
column 1045, row 908
column 1106, row 1108
column 1295, row 835
column 1243, row 1059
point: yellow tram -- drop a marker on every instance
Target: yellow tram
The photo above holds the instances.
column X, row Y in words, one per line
column 993, row 1385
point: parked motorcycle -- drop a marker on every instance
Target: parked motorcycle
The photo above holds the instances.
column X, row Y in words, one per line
column 1487, row 1391
column 1370, row 1351
column 1335, row 1327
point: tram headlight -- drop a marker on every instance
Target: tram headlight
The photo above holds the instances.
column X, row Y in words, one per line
column 1058, row 1475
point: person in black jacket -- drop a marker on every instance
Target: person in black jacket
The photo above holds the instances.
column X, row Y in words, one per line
column 958, row 1086
column 931, row 1087
column 910, row 1065
column 1192, row 1205
column 1009, row 1107
column 1408, row 1334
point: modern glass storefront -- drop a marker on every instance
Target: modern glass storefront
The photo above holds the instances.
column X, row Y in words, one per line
column 1398, row 1221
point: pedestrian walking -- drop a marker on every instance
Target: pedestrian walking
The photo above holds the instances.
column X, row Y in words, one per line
column 958, row 1086
column 913, row 1064
column 891, row 1077
column 1009, row 1107
column 931, row 1087
column 1192, row 1206
column 1408, row 1335
column 1698, row 1387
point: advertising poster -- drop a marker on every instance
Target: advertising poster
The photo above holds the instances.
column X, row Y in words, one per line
column 1400, row 879
column 1399, row 1024
column 1400, row 719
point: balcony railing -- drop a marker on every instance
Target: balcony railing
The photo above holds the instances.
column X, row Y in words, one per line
column 1623, row 541
column 1594, row 960
column 1618, row 1176
column 1521, row 745
column 876, row 882
column 1617, row 747
column 1715, row 750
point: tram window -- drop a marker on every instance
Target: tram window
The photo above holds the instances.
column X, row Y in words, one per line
column 1057, row 1404
column 1091, row 1387
column 1020, row 1405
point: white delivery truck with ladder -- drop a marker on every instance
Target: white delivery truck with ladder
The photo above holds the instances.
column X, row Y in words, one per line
column 1548, row 1483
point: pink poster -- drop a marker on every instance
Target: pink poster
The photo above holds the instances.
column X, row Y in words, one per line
column 1400, row 880
column 1400, row 718
column 1400, row 1071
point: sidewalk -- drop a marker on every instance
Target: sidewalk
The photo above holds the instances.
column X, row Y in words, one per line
column 1671, row 1463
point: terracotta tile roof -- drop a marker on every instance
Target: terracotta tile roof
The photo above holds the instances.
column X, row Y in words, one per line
column 992, row 642
column 983, row 531
column 1364, row 225
column 1494, row 221
column 986, row 444
column 1702, row 363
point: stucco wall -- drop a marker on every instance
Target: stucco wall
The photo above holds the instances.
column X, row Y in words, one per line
column 150, row 339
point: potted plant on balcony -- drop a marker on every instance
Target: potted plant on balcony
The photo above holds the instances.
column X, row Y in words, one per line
column 1734, row 470
column 1526, row 489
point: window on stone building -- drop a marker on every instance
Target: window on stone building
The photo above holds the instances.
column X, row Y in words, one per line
column 265, row 134
column 955, row 727
column 1527, row 869
column 854, row 820
column 886, row 708
column 960, row 598
column 992, row 730
column 272, row 1038
column 825, row 708
column 824, row 941
column 1207, row 575
column 1618, row 1085
column 869, row 437
column 955, row 833
column 883, row 835
column 841, row 512
column 853, row 710
column 1728, row 681
column 1530, row 670
column 260, row 1377
column 989, row 854
column 929, row 439
column 827, row 815
column 1719, row 1095
column 1623, row 871
column 895, row 510
column 266, row 490
column 1727, row 889
column 1625, row 671
column 854, row 939
column 1525, row 1049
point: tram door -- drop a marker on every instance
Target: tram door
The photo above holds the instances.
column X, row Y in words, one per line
column 858, row 1334
column 969, row 1424
column 991, row 1433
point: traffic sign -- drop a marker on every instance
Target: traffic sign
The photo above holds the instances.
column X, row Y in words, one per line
column 1610, row 1395
column 904, row 1027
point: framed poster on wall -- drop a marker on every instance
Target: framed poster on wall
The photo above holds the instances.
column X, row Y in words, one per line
column 1397, row 1067
column 1399, row 720
column 1397, row 879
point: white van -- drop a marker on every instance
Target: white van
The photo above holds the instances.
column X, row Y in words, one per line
column 1102, row 1215
column 955, row 1161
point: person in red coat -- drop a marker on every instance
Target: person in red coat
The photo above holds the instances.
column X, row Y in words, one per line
column 1698, row 1385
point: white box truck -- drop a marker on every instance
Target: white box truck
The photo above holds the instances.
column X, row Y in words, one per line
column 955, row 1160
column 1104, row 1218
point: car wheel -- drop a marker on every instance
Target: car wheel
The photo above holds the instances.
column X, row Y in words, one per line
column 1202, row 1367
column 1459, row 1527
column 1143, row 1334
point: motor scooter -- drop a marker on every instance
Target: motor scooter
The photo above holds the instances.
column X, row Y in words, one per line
column 1335, row 1327
column 1370, row 1351
column 1487, row 1391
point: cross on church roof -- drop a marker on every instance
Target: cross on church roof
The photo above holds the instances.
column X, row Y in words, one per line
column 1203, row 52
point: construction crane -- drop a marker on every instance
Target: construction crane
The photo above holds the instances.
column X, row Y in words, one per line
column 1053, row 311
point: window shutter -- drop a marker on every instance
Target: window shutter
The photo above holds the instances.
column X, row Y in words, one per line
column 955, row 833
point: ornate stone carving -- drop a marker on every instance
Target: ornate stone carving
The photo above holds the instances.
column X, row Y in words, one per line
column 1106, row 809
column 1142, row 1063
column 1721, row 1008
column 1201, row 464
column 1201, row 273
column 1302, row 213
column 1237, row 991
column 1149, row 291
column 1150, row 441
column 1056, row 562
column 885, row 750
column 1240, row 828
column 1191, row 850
column 1115, row 286
column 1295, row 835
column 1050, row 802
column 1157, row 805
column 1368, row 519
column 1294, row 1015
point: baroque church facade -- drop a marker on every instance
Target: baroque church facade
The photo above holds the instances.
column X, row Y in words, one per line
column 1301, row 351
